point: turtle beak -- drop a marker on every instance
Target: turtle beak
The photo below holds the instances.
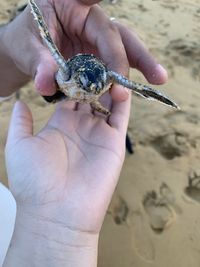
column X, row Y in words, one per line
column 93, row 87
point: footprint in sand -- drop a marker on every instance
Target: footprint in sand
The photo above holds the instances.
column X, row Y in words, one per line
column 185, row 52
column 171, row 145
column 141, row 238
column 193, row 188
column 160, row 208
column 118, row 210
column 172, row 5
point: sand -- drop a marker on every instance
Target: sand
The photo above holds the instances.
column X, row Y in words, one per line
column 154, row 217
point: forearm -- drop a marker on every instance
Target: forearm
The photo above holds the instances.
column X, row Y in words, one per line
column 36, row 243
column 11, row 77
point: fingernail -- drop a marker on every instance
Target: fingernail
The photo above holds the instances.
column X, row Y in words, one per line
column 161, row 69
column 159, row 76
column 162, row 72
column 126, row 93
column 127, row 90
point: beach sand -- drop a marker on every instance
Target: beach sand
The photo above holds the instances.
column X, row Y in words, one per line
column 154, row 216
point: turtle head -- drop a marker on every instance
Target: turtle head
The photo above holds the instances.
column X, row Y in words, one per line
column 89, row 73
column 92, row 80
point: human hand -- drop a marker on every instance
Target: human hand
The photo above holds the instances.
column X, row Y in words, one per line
column 78, row 27
column 73, row 163
column 64, row 176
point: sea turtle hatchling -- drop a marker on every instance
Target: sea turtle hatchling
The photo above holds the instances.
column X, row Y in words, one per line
column 84, row 78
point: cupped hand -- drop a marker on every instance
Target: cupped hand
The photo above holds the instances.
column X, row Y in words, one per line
column 68, row 171
column 78, row 26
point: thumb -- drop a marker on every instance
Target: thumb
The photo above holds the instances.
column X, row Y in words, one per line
column 90, row 2
column 21, row 124
column 45, row 75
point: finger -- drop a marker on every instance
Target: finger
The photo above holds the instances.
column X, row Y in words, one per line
column 119, row 93
column 21, row 124
column 84, row 107
column 120, row 115
column 140, row 58
column 100, row 31
column 63, row 116
column 45, row 75
column 68, row 105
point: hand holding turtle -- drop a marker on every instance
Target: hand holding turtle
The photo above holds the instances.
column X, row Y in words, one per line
column 77, row 27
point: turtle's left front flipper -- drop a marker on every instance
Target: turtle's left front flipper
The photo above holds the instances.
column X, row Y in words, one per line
column 143, row 90
column 64, row 71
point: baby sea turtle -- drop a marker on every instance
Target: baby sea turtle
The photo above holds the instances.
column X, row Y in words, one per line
column 85, row 78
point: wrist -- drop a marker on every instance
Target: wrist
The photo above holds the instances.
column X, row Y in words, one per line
column 38, row 242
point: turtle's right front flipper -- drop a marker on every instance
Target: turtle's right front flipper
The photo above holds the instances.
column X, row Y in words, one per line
column 142, row 90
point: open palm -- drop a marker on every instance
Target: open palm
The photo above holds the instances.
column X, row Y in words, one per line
column 68, row 171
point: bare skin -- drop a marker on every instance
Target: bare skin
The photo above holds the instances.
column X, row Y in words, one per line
column 80, row 28
column 62, row 181
column 63, row 177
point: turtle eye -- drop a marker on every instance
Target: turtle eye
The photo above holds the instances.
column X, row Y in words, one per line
column 83, row 80
column 87, row 81
column 91, row 77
